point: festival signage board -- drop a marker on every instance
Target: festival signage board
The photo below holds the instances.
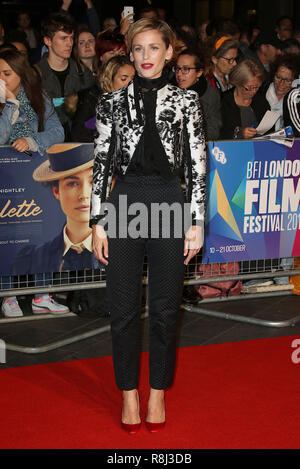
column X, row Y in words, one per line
column 253, row 193
column 252, row 211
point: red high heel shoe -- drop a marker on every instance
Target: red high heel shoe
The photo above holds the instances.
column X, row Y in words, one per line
column 132, row 428
column 155, row 427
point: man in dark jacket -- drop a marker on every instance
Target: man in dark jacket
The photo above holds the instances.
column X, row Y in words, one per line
column 268, row 47
column 61, row 76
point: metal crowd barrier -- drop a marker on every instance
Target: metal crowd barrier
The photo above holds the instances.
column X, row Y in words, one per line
column 88, row 279
column 245, row 270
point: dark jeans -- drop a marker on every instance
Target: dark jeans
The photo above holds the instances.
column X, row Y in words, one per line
column 165, row 282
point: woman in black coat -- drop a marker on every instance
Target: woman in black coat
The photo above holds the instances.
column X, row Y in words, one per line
column 189, row 74
column 243, row 106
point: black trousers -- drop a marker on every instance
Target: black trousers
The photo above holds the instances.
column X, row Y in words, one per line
column 165, row 282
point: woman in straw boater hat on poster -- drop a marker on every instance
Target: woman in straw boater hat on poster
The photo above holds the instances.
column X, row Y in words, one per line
column 68, row 171
column 146, row 132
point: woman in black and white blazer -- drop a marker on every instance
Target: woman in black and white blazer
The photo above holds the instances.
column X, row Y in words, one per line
column 146, row 133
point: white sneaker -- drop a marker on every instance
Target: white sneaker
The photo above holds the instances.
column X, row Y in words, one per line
column 10, row 308
column 46, row 304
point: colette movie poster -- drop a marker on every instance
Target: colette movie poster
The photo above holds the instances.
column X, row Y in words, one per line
column 44, row 210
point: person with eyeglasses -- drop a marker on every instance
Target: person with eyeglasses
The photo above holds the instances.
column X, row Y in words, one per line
column 224, row 57
column 189, row 74
column 243, row 106
column 285, row 72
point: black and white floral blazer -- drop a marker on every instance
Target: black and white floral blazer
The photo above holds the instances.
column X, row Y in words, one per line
column 119, row 126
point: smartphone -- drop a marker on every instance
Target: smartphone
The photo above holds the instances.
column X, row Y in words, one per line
column 128, row 11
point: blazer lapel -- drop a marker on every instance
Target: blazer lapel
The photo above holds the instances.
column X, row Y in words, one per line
column 133, row 136
column 132, row 105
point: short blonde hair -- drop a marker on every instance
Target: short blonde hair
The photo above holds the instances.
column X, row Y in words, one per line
column 245, row 71
column 146, row 24
column 109, row 70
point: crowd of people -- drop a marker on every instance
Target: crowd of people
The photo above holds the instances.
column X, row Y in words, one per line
column 236, row 71
column 51, row 81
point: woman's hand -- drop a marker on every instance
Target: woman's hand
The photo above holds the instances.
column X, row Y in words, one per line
column 193, row 242
column 5, row 92
column 9, row 94
column 21, row 144
column 100, row 244
column 249, row 132
column 125, row 23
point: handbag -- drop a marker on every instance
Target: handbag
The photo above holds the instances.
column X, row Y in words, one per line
column 88, row 303
column 223, row 288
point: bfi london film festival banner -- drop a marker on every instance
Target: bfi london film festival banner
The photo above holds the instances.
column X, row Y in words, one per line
column 37, row 204
column 252, row 205
column 253, row 201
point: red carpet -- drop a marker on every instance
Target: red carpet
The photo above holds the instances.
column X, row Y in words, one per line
column 234, row 395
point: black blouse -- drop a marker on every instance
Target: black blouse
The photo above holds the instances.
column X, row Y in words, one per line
column 149, row 157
